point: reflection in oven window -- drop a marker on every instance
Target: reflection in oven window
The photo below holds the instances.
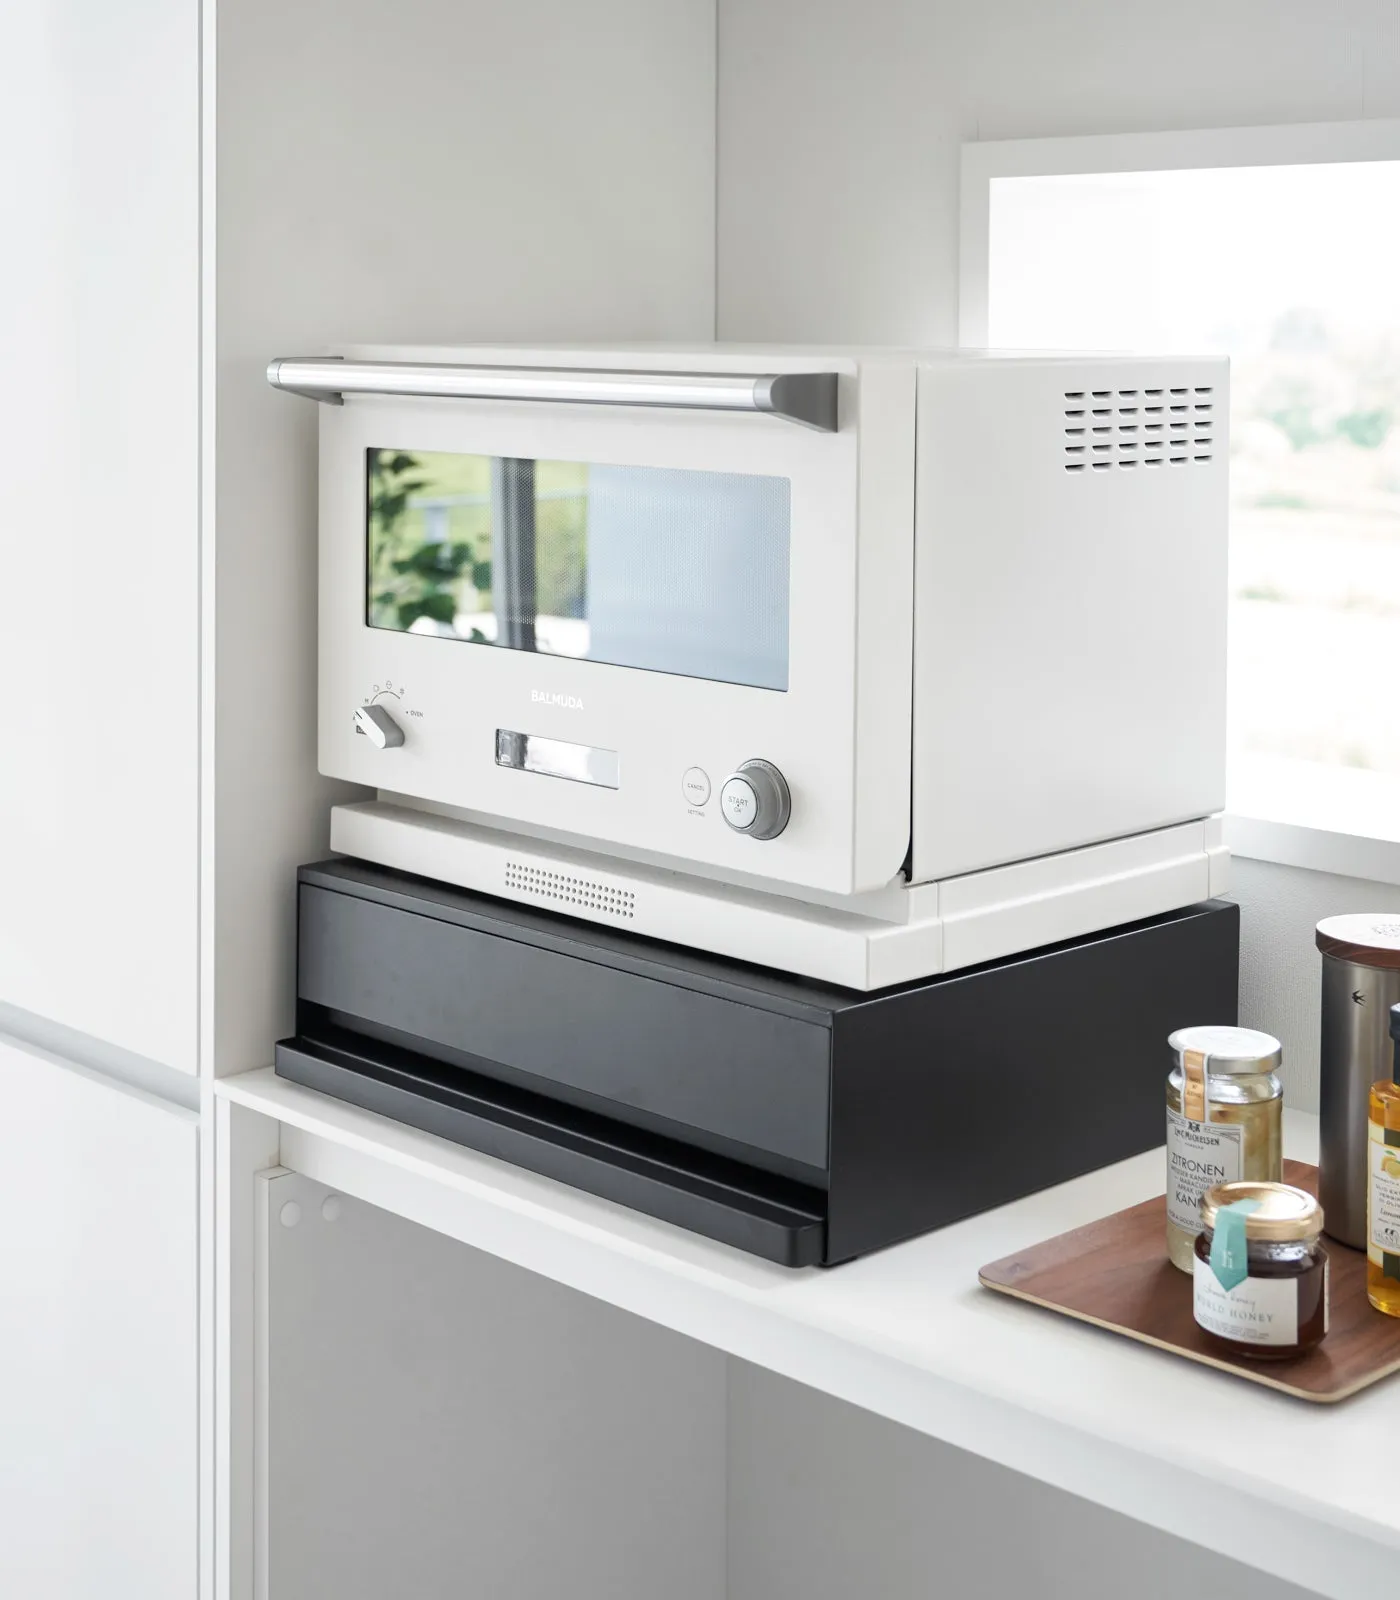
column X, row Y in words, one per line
column 482, row 548
column 660, row 568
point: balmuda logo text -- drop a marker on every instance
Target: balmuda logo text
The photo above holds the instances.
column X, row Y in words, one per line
column 541, row 697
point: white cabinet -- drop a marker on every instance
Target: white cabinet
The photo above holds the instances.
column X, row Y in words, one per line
column 98, row 1337
column 443, row 1425
column 99, row 539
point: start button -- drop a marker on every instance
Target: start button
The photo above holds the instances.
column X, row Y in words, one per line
column 695, row 785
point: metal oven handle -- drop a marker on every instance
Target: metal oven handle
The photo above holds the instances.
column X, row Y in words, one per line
column 808, row 398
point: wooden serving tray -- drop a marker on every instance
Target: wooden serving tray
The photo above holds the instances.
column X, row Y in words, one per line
column 1115, row 1274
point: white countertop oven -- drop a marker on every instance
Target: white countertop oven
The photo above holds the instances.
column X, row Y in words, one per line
column 887, row 660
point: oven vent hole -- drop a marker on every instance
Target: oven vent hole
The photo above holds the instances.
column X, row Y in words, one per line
column 1116, row 418
column 567, row 889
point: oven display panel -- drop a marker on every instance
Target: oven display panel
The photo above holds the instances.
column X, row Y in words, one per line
column 557, row 758
column 658, row 568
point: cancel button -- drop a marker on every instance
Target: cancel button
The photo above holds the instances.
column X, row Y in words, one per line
column 695, row 786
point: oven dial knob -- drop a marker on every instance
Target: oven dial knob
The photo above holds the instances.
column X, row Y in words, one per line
column 378, row 726
column 755, row 800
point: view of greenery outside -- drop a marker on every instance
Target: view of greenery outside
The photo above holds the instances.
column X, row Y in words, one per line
column 430, row 542
column 1315, row 542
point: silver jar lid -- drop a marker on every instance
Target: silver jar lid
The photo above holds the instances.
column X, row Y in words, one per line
column 1231, row 1050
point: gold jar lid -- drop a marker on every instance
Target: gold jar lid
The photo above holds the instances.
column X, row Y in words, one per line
column 1284, row 1214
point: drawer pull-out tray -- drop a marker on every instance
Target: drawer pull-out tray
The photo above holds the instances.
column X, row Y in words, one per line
column 767, row 1216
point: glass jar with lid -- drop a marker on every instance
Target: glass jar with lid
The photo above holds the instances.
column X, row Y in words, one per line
column 1224, row 1122
column 1261, row 1275
column 1383, row 1190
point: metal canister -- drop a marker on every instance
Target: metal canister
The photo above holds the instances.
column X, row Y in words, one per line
column 1360, row 983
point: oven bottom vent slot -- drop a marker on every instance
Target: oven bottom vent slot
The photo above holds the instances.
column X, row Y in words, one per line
column 588, row 894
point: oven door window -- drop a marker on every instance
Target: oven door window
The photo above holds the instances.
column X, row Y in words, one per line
column 660, row 568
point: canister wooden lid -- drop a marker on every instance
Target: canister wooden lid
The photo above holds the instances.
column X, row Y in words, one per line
column 1369, row 938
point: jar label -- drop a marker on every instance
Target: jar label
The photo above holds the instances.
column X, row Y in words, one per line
column 1198, row 1155
column 1255, row 1311
column 1229, row 1245
column 1382, row 1200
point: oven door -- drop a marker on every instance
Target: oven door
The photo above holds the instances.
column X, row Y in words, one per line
column 583, row 618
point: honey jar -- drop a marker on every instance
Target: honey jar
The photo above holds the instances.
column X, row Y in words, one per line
column 1261, row 1279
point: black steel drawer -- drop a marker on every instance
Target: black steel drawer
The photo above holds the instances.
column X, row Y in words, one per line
column 740, row 1206
column 669, row 1054
column 799, row 1122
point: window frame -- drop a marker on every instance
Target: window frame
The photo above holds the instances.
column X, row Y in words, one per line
column 1295, row 813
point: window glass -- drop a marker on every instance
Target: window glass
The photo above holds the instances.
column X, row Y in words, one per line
column 650, row 567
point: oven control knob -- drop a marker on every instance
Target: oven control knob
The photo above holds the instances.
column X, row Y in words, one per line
column 755, row 800
column 378, row 726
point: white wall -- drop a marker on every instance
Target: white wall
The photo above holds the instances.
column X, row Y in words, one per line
column 402, row 170
column 840, row 125
column 839, row 135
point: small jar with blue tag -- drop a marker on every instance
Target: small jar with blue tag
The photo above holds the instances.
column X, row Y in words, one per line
column 1260, row 1281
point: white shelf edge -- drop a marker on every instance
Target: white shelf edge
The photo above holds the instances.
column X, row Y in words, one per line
column 816, row 1328
column 1295, row 844
column 1324, row 819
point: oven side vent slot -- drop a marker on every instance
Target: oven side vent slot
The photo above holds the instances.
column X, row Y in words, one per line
column 1106, row 428
column 586, row 894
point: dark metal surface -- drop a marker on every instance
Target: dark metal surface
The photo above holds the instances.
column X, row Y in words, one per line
column 722, row 1200
column 752, row 1076
column 1356, row 1051
column 994, row 1083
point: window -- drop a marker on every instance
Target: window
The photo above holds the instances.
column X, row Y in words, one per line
column 1279, row 248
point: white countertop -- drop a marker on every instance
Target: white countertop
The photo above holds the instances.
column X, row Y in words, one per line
column 1305, row 1491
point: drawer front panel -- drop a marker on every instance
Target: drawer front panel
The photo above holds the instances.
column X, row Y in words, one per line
column 735, row 1071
